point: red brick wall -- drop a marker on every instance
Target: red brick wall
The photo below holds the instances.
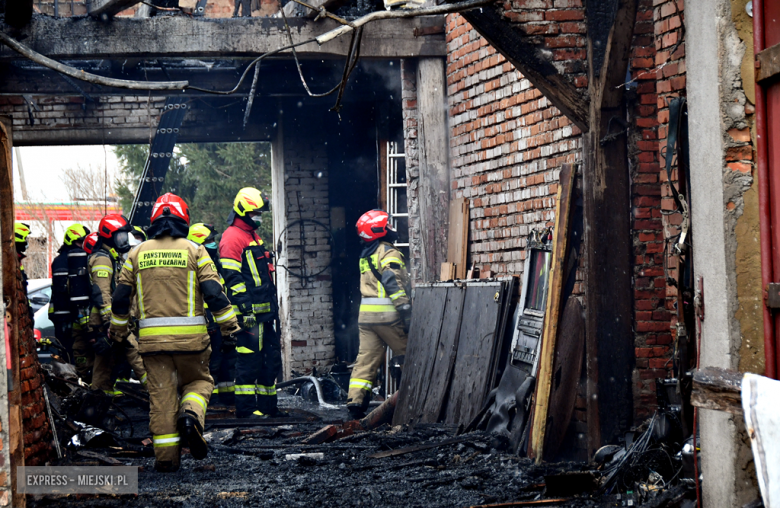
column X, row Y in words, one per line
column 35, row 423
column 507, row 145
column 658, row 68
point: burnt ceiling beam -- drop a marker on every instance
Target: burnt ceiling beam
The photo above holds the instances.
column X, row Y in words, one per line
column 607, row 207
column 186, row 37
column 527, row 58
column 21, row 77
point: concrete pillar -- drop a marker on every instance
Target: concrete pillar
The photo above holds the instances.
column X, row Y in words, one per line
column 434, row 166
column 711, row 95
column 279, row 202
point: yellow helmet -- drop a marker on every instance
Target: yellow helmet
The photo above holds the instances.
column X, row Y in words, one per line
column 248, row 199
column 200, row 232
column 74, row 233
column 138, row 230
column 21, row 232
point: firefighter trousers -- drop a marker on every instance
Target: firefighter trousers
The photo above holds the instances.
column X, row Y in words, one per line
column 374, row 339
column 178, row 383
column 258, row 362
column 223, row 370
column 83, row 355
column 109, row 367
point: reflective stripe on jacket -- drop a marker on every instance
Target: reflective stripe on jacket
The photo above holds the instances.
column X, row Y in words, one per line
column 382, row 297
column 101, row 272
column 246, row 270
column 169, row 278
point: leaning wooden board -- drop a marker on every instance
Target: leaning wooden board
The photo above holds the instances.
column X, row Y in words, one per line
column 479, row 321
column 458, row 238
column 424, row 330
column 567, row 368
column 446, row 351
column 552, row 311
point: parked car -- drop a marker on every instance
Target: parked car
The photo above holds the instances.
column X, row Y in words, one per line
column 38, row 293
column 44, row 328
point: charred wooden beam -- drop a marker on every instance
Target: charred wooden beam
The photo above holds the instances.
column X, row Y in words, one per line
column 717, row 389
column 181, row 36
column 607, row 207
column 526, row 57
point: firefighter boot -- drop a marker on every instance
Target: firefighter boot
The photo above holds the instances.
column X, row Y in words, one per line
column 192, row 434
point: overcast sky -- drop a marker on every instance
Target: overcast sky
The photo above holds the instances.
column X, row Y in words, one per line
column 43, row 165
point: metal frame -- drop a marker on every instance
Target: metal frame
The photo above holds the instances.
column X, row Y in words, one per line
column 394, row 186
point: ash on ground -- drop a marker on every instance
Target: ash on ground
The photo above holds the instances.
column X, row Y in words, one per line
column 255, row 466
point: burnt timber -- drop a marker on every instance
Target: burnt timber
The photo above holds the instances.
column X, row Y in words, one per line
column 184, row 37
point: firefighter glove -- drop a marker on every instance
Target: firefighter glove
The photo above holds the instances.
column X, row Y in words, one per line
column 102, row 345
column 249, row 321
column 229, row 342
column 405, row 311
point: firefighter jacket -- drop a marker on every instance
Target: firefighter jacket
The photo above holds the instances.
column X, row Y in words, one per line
column 214, row 255
column 247, row 267
column 170, row 278
column 71, row 286
column 382, row 295
column 102, row 270
column 59, row 305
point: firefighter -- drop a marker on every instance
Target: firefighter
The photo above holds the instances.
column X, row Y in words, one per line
column 70, row 288
column 139, row 234
column 124, row 369
column 223, row 363
column 113, row 240
column 247, row 269
column 170, row 277
column 385, row 307
column 21, row 232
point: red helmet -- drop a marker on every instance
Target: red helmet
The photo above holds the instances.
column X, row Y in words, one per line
column 171, row 205
column 91, row 242
column 373, row 225
column 112, row 223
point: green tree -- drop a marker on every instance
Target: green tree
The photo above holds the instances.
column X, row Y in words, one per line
column 207, row 176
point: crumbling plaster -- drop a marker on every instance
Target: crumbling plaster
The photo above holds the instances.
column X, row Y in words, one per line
column 718, row 189
column 748, row 252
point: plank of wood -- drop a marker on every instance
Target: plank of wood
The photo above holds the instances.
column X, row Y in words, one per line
column 446, row 351
column 552, row 311
column 567, row 368
column 458, row 238
column 476, row 344
column 433, row 191
column 447, row 272
column 98, row 8
column 717, row 389
column 607, row 207
column 768, row 63
column 503, row 335
column 183, row 36
column 421, row 348
column 417, row 448
column 524, row 54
